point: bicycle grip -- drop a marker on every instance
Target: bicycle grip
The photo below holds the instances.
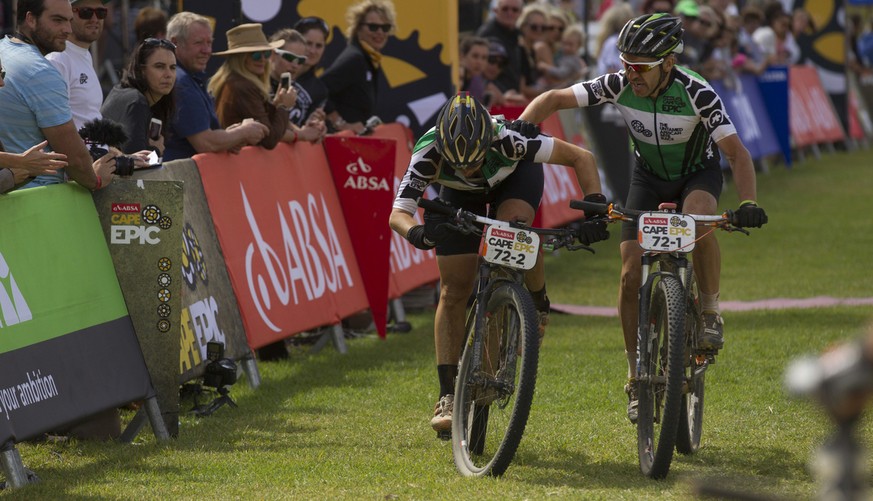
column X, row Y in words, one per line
column 590, row 208
column 434, row 206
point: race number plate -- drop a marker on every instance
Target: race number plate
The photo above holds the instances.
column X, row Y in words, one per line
column 512, row 247
column 665, row 232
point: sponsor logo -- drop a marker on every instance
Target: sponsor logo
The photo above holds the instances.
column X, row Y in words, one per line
column 497, row 232
column 639, row 128
column 193, row 262
column 310, row 258
column 119, row 207
column 654, row 220
column 672, row 104
column 716, row 119
column 359, row 179
column 666, row 132
column 417, row 184
column 597, row 90
column 140, row 227
column 200, row 325
column 13, row 307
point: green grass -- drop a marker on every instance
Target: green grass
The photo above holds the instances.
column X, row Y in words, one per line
column 355, row 426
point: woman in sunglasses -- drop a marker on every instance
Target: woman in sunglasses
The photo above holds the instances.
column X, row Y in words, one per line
column 145, row 92
column 241, row 85
column 354, row 76
column 678, row 125
column 307, row 121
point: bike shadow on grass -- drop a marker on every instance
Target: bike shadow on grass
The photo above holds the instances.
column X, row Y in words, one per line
column 759, row 470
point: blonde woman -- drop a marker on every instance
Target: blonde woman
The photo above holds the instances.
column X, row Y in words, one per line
column 241, row 85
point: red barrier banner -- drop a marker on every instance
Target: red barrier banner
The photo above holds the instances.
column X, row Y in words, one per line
column 363, row 172
column 811, row 115
column 284, row 239
column 410, row 267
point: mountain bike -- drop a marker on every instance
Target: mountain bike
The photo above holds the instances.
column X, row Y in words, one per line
column 671, row 367
column 498, row 368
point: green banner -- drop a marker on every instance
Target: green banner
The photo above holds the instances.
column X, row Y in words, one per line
column 49, row 286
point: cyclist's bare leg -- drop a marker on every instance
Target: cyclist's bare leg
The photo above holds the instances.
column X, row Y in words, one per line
column 514, row 209
column 706, row 254
column 457, row 276
column 628, row 299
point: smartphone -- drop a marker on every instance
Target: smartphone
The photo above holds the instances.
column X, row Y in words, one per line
column 286, row 80
column 155, row 129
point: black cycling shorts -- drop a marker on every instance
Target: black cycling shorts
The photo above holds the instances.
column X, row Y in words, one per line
column 647, row 191
column 525, row 183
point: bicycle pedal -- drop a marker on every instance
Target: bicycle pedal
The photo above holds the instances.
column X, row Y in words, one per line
column 444, row 435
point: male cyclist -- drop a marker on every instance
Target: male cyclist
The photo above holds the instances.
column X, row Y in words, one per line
column 477, row 160
column 675, row 119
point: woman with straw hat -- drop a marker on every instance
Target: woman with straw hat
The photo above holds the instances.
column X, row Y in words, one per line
column 241, row 85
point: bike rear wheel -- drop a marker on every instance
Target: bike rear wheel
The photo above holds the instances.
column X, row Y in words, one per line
column 691, row 420
column 494, row 391
column 662, row 357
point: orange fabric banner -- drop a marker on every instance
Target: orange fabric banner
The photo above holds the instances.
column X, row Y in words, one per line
column 811, row 116
column 284, row 239
column 363, row 172
column 410, row 267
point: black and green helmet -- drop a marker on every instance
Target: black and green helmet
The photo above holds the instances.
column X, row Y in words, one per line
column 651, row 35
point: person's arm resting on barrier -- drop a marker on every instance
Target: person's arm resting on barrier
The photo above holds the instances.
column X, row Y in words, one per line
column 235, row 136
column 81, row 168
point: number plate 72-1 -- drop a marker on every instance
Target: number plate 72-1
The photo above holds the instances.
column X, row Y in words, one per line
column 666, row 232
column 512, row 247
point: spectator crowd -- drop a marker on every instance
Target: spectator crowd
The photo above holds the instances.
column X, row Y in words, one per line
column 274, row 87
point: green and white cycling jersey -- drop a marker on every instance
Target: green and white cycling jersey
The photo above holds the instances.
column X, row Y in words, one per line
column 427, row 166
column 674, row 134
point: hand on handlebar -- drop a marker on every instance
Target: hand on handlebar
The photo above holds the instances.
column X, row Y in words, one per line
column 593, row 230
column 437, row 226
column 749, row 215
column 523, row 127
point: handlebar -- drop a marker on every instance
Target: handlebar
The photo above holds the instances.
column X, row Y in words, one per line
column 613, row 213
column 466, row 222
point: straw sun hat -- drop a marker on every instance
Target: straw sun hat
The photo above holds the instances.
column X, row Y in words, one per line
column 248, row 38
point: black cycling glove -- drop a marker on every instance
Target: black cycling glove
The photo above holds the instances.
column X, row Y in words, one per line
column 416, row 237
column 436, row 224
column 749, row 215
column 593, row 230
column 523, row 127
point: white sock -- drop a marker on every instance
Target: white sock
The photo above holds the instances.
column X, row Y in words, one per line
column 709, row 302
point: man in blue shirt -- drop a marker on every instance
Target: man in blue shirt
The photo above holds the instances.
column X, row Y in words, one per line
column 35, row 103
column 195, row 128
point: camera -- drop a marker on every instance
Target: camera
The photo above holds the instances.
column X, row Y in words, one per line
column 219, row 372
column 99, row 135
column 124, row 165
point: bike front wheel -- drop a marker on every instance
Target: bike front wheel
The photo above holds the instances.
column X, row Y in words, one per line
column 662, row 357
column 495, row 385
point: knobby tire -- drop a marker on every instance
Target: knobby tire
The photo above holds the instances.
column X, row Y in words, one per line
column 488, row 421
column 660, row 397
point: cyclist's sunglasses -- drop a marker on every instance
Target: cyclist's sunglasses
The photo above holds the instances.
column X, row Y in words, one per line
column 257, row 56
column 640, row 67
column 374, row 27
column 87, row 12
column 290, row 56
column 306, row 22
column 158, row 42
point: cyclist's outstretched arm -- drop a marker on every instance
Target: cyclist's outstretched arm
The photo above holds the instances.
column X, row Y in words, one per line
column 741, row 165
column 401, row 221
column 549, row 102
column 583, row 163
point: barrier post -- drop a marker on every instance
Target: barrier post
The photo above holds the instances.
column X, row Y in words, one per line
column 16, row 474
